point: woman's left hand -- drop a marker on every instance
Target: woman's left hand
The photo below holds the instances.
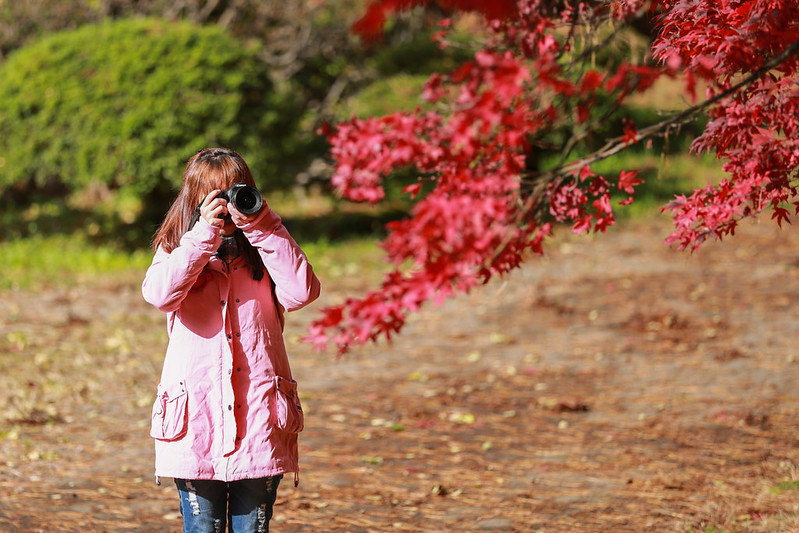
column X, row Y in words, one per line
column 239, row 218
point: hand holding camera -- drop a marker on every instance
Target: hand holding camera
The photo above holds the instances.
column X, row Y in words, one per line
column 235, row 206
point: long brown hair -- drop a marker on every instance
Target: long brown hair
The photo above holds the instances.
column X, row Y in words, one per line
column 209, row 169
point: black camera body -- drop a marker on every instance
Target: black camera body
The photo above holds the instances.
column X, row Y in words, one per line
column 247, row 199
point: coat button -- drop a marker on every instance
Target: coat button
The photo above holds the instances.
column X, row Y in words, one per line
column 229, row 407
column 237, row 300
column 222, row 302
column 229, row 336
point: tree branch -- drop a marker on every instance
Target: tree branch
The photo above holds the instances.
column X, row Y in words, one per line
column 618, row 144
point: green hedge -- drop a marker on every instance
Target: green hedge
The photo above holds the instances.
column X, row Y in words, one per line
column 120, row 106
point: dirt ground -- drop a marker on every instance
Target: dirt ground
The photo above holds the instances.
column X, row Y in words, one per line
column 613, row 385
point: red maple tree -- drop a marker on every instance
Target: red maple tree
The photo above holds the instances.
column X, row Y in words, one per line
column 558, row 70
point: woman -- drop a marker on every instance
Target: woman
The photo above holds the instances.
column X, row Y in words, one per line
column 227, row 414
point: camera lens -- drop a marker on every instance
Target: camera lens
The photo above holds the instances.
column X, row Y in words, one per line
column 246, row 199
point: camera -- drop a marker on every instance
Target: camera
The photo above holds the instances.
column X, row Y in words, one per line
column 247, row 199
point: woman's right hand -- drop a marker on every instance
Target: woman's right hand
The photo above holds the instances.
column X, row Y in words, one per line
column 214, row 209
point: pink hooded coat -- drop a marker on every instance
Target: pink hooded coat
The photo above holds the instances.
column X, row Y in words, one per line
column 227, row 406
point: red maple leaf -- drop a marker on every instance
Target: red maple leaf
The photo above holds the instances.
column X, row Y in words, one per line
column 489, row 199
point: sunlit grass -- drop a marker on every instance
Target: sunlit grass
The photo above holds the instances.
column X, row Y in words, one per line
column 664, row 178
column 385, row 96
column 59, row 260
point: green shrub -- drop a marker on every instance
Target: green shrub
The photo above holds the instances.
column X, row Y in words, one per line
column 110, row 113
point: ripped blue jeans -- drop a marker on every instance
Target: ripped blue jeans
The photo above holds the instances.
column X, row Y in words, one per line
column 244, row 506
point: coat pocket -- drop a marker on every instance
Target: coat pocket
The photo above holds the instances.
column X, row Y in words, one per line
column 170, row 413
column 286, row 411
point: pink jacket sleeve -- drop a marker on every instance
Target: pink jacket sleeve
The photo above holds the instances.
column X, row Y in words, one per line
column 296, row 285
column 171, row 275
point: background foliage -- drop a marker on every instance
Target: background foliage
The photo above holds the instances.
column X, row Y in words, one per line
column 112, row 124
column 106, row 99
column 104, row 107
